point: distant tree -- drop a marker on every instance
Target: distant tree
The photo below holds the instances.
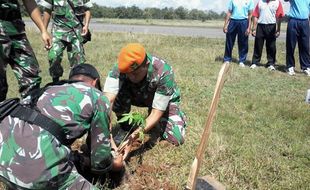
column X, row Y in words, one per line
column 223, row 14
column 120, row 12
column 153, row 13
column 134, row 12
column 97, row 11
column 181, row 13
column 168, row 13
column 213, row 15
column 196, row 14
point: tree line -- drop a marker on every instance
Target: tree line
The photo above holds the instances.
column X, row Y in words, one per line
column 135, row 12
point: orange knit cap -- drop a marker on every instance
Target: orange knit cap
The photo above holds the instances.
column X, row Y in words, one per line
column 131, row 57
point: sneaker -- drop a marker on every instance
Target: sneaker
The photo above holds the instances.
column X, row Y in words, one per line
column 307, row 72
column 291, row 71
column 226, row 62
column 241, row 64
column 253, row 66
column 271, row 68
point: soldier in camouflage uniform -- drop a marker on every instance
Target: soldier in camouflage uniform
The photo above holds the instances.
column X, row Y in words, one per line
column 67, row 32
column 15, row 48
column 144, row 80
column 32, row 158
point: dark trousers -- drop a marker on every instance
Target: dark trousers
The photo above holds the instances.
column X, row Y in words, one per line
column 3, row 81
column 237, row 27
column 298, row 31
column 265, row 32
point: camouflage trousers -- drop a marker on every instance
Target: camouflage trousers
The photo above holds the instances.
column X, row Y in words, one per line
column 17, row 52
column 61, row 40
column 172, row 123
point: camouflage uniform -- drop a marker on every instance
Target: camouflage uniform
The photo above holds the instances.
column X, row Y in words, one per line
column 31, row 157
column 15, row 50
column 155, row 91
column 66, row 33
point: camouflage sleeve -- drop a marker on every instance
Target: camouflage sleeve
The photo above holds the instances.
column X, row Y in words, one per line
column 111, row 84
column 165, row 89
column 46, row 4
column 100, row 134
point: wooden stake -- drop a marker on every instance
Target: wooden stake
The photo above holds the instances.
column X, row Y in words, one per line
column 191, row 182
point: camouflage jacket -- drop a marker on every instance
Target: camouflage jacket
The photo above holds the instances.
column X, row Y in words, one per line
column 63, row 16
column 156, row 90
column 12, row 27
column 31, row 157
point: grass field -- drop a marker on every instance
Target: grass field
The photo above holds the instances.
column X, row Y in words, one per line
column 260, row 137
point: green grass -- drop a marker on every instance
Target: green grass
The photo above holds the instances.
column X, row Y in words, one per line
column 261, row 134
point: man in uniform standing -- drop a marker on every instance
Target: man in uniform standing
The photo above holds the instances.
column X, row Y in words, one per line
column 144, row 80
column 298, row 32
column 267, row 17
column 238, row 22
column 15, row 48
column 67, row 31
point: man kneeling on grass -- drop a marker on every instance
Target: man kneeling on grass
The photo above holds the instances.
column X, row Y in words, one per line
column 35, row 141
column 144, row 80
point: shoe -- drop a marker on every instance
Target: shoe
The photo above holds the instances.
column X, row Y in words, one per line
column 291, row 71
column 241, row 64
column 271, row 68
column 226, row 62
column 307, row 72
column 253, row 66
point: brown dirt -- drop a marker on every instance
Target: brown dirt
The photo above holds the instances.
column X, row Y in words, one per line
column 145, row 177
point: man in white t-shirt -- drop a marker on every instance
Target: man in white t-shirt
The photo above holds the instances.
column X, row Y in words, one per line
column 266, row 27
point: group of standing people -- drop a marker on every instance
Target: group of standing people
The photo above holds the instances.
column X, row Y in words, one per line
column 266, row 16
column 36, row 133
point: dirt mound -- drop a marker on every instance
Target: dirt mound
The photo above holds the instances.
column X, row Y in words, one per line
column 148, row 177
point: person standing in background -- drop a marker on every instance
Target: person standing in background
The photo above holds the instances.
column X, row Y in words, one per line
column 67, row 31
column 238, row 22
column 15, row 48
column 266, row 27
column 298, row 31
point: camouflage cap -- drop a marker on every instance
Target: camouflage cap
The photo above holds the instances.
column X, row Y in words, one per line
column 85, row 69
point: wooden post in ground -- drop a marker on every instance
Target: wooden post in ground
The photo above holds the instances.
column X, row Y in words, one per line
column 192, row 178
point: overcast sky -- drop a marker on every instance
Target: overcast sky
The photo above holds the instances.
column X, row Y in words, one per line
column 215, row 5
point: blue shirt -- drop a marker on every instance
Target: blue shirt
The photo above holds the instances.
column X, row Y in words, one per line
column 299, row 9
column 240, row 8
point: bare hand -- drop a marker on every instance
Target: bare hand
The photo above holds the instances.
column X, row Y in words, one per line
column 247, row 32
column 277, row 34
column 118, row 163
column 47, row 40
column 225, row 29
column 84, row 30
